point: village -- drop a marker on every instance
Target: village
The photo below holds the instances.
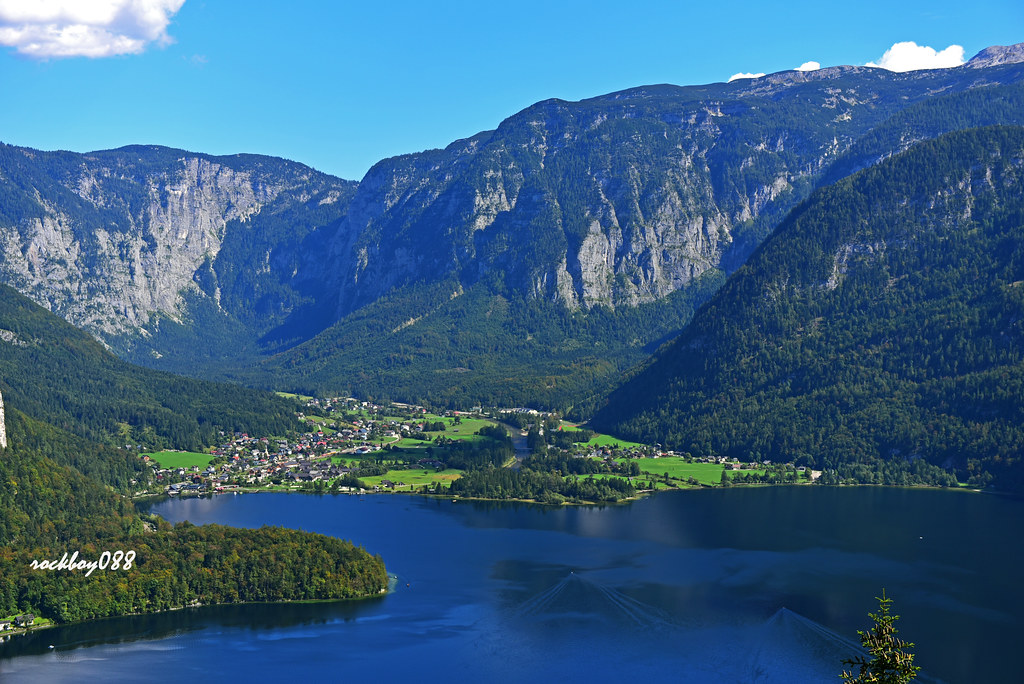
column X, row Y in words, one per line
column 344, row 432
column 330, row 451
column 355, row 446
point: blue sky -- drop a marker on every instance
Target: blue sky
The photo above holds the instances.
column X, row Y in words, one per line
column 341, row 85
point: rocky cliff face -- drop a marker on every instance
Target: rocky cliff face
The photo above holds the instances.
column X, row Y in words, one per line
column 112, row 240
column 625, row 198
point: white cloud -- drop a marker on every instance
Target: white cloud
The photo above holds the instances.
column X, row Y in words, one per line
column 737, row 76
column 909, row 56
column 809, row 66
column 85, row 28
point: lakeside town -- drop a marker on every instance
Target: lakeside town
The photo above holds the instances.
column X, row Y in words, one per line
column 355, row 446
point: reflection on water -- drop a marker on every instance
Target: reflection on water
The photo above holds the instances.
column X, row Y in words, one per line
column 744, row 585
column 576, row 598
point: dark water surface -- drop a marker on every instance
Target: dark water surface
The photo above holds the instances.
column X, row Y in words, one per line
column 740, row 585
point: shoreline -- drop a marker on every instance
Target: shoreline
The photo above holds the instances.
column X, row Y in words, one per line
column 392, row 584
column 641, row 494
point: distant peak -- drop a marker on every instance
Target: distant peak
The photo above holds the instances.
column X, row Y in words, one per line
column 997, row 55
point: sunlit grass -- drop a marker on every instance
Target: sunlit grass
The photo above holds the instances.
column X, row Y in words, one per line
column 180, row 459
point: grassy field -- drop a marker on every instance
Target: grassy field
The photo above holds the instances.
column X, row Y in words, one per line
column 319, row 423
column 180, row 459
column 289, row 395
column 415, row 477
column 349, row 461
column 466, row 429
column 677, row 468
column 417, row 449
column 600, row 440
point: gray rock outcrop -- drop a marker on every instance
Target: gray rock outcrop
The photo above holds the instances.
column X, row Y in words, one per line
column 604, row 205
column 997, row 55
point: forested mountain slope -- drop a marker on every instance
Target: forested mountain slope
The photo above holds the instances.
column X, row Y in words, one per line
column 877, row 334
column 534, row 263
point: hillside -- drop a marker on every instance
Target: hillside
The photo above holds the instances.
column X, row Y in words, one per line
column 633, row 208
column 877, row 334
column 628, row 197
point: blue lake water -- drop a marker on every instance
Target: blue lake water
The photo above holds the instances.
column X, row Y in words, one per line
column 740, row 585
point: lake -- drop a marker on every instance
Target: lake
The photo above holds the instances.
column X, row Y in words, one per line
column 741, row 585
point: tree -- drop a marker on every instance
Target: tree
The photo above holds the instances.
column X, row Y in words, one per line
column 891, row 660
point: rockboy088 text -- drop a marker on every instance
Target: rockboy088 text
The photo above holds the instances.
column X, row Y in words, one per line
column 118, row 560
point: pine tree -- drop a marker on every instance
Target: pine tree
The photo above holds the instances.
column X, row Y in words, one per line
column 891, row 660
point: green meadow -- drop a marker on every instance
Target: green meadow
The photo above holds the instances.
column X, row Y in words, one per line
column 600, row 440
column 678, row 469
column 415, row 477
column 320, row 424
column 180, row 459
column 297, row 397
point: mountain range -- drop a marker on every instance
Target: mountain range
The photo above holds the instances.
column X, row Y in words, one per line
column 531, row 264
